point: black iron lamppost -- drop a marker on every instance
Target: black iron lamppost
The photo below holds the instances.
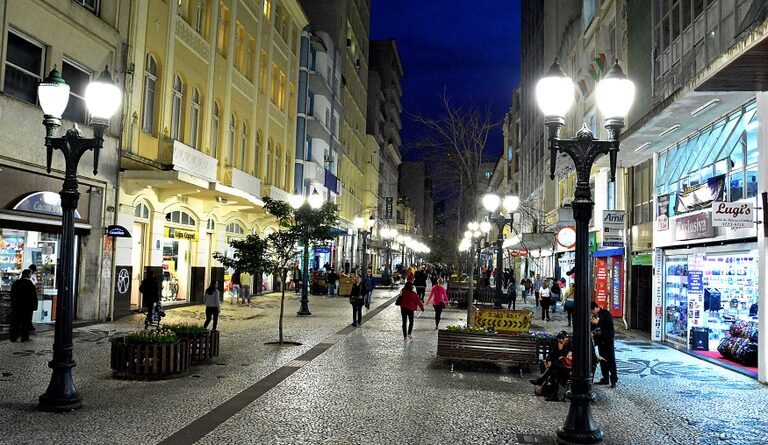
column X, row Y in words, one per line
column 472, row 242
column 403, row 240
column 508, row 206
column 364, row 229
column 389, row 235
column 103, row 99
column 555, row 94
column 314, row 201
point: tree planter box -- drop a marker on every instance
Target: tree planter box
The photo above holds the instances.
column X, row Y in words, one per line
column 202, row 346
column 492, row 348
column 149, row 361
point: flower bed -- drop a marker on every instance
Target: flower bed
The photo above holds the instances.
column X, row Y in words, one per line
column 149, row 355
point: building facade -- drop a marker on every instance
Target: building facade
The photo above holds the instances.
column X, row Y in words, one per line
column 210, row 128
column 78, row 38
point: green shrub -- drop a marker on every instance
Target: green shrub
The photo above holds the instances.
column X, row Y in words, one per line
column 470, row 329
column 185, row 328
column 162, row 336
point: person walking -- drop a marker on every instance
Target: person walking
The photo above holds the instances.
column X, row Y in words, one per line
column 511, row 295
column 150, row 296
column 212, row 300
column 536, row 288
column 420, row 282
column 527, row 287
column 297, row 279
column 568, row 301
column 369, row 284
column 603, row 333
column 357, row 301
column 555, row 294
column 544, row 300
column 409, row 302
column 23, row 304
column 331, row 280
column 236, row 287
column 439, row 298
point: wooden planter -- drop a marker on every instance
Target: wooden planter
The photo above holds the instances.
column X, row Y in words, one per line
column 202, row 346
column 149, row 361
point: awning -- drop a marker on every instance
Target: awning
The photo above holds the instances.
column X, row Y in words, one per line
column 531, row 241
column 608, row 252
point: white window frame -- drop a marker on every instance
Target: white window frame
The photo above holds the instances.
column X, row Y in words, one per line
column 215, row 121
column 243, row 145
column 38, row 76
column 194, row 119
column 232, row 131
column 148, row 110
column 72, row 93
column 176, row 107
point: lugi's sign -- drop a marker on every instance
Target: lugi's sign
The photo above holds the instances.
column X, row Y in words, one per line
column 693, row 227
column 613, row 227
column 732, row 214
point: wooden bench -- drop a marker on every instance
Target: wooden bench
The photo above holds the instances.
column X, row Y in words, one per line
column 481, row 296
column 502, row 349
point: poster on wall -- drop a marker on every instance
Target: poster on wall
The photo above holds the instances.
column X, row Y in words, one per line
column 601, row 281
column 700, row 196
column 662, row 212
column 658, row 304
column 696, row 317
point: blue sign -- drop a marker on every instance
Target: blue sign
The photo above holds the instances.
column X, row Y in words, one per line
column 695, row 283
column 323, row 249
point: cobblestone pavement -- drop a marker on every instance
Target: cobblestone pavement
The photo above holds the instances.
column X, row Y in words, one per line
column 368, row 387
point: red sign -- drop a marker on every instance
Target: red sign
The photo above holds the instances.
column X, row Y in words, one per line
column 601, row 281
column 566, row 237
column 617, row 286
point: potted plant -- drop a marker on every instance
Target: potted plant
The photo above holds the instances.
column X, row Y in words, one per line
column 149, row 354
column 203, row 344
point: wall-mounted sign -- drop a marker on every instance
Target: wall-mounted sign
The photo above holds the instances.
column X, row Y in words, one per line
column 613, row 227
column 733, row 215
column 693, row 227
column 662, row 212
column 566, row 237
column 117, row 231
column 174, row 233
column 388, row 207
column 45, row 203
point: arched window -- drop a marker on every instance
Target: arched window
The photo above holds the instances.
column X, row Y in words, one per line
column 257, row 154
column 235, row 228
column 178, row 100
column 210, row 225
column 150, row 86
column 286, row 175
column 268, row 173
column 141, row 212
column 215, row 130
column 243, row 145
column 231, row 148
column 180, row 217
column 276, row 169
column 194, row 119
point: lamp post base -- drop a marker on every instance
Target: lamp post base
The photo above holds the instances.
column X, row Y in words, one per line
column 304, row 309
column 61, row 395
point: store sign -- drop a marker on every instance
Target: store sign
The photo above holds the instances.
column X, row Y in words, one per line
column 617, row 281
column 662, row 212
column 733, row 215
column 693, row 227
column 323, row 249
column 658, row 315
column 566, row 237
column 601, row 281
column 174, row 233
column 117, row 231
column 44, row 203
column 613, row 227
column 700, row 196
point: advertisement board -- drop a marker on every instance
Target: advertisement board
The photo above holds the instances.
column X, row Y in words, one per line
column 613, row 227
column 601, row 281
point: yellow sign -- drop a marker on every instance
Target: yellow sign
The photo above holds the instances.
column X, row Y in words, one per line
column 174, row 233
column 504, row 321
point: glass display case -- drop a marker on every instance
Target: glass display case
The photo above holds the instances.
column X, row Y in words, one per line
column 676, row 290
column 11, row 257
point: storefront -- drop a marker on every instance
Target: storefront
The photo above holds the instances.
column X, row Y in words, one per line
column 179, row 245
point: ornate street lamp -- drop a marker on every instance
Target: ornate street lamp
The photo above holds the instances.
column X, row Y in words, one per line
column 314, row 201
column 507, row 206
column 472, row 240
column 389, row 235
column 364, row 229
column 555, row 94
column 103, row 99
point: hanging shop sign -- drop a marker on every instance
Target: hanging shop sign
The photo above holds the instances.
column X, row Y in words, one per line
column 662, row 212
column 388, row 207
column 601, row 281
column 117, row 231
column 182, row 234
column 700, row 196
column 613, row 227
column 323, row 249
column 566, row 237
column 693, row 227
column 732, row 214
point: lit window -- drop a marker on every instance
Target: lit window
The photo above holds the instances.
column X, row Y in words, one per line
column 267, row 9
column 194, row 119
column 256, row 154
column 268, row 173
column 150, row 85
column 263, row 63
column 243, row 145
column 222, row 31
column 231, row 148
column 215, row 130
column 178, row 100
column 23, row 68
column 240, row 49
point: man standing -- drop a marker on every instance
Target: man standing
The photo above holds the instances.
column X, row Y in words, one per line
column 602, row 330
column 23, row 304
column 536, row 286
column 368, row 286
column 420, row 282
column 330, row 281
column 236, row 287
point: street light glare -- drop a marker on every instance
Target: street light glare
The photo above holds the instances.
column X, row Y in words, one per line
column 315, row 199
column 359, row 222
column 296, row 201
column 491, row 202
column 53, row 94
column 102, row 96
column 511, row 203
column 473, row 226
column 485, row 227
column 615, row 94
column 555, row 92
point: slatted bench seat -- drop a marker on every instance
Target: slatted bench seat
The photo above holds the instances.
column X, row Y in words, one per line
column 502, row 349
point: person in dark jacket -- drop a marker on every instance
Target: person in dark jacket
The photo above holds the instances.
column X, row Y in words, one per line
column 420, row 282
column 357, row 300
column 330, row 281
column 602, row 330
column 368, row 285
column 409, row 301
column 558, row 363
column 148, row 289
column 555, row 295
column 23, row 304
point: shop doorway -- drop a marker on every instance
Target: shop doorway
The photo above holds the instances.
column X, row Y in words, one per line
column 176, row 271
column 641, row 286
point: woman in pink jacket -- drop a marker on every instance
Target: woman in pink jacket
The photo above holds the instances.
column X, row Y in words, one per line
column 439, row 298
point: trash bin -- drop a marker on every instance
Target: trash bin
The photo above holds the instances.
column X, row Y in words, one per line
column 700, row 339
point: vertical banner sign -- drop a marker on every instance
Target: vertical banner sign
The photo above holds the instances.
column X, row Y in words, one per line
column 617, row 285
column 658, row 302
column 662, row 212
column 388, row 207
column 601, row 281
column 696, row 317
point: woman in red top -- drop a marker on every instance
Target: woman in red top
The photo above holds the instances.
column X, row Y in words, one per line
column 408, row 304
column 439, row 298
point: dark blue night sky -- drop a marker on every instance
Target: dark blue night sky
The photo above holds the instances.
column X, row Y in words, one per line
column 468, row 48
